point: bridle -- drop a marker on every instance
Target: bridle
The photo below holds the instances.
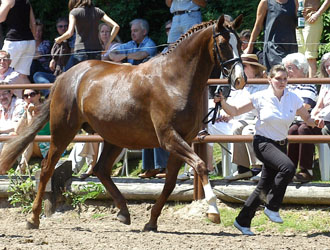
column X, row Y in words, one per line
column 216, row 53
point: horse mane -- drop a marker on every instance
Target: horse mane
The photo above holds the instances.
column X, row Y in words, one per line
column 193, row 30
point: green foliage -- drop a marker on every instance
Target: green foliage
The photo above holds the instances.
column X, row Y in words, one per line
column 22, row 191
column 84, row 192
column 325, row 39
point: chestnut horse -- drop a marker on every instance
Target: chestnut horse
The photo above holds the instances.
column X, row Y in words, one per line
column 157, row 103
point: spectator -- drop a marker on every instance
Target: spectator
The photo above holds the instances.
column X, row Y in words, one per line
column 11, row 111
column 19, row 41
column 245, row 36
column 33, row 102
column 85, row 18
column 276, row 107
column 186, row 13
column 242, row 153
column 60, row 56
column 104, row 36
column 42, row 52
column 279, row 18
column 8, row 75
column 297, row 66
column 309, row 37
column 321, row 112
column 154, row 161
column 139, row 49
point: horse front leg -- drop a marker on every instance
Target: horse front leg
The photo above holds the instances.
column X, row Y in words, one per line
column 176, row 145
column 102, row 170
column 172, row 169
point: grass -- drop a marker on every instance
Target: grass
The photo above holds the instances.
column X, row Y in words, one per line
column 296, row 220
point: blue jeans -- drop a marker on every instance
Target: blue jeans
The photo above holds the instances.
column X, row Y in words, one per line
column 80, row 56
column 43, row 77
column 155, row 158
column 182, row 23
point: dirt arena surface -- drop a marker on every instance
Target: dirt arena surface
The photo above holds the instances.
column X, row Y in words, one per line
column 180, row 227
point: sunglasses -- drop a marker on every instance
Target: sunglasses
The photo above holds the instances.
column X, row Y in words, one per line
column 5, row 93
column 32, row 94
column 4, row 59
column 62, row 26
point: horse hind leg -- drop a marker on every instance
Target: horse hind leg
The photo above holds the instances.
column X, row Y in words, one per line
column 173, row 166
column 57, row 146
column 102, row 170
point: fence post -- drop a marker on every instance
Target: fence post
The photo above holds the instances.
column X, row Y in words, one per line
column 200, row 150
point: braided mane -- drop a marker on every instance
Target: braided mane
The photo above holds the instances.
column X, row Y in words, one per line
column 191, row 31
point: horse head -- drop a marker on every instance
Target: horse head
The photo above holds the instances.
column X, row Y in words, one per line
column 227, row 50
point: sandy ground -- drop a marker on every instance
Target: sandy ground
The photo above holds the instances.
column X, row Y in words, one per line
column 179, row 227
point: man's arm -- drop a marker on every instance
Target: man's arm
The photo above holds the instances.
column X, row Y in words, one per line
column 168, row 3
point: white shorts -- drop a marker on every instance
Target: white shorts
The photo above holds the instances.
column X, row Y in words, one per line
column 21, row 54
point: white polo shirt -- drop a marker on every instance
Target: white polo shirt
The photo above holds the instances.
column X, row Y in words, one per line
column 275, row 116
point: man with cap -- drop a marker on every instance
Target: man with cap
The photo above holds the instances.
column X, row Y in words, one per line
column 242, row 153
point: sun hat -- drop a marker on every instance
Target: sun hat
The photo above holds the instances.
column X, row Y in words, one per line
column 253, row 60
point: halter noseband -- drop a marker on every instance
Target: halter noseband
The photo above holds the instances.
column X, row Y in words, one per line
column 217, row 57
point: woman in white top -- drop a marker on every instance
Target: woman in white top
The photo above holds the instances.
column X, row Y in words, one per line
column 276, row 108
column 321, row 112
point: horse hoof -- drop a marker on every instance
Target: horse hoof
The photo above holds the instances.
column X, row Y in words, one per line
column 149, row 228
column 124, row 217
column 215, row 218
column 30, row 225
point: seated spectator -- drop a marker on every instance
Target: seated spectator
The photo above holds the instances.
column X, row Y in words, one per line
column 297, row 66
column 60, row 56
column 154, row 162
column 8, row 75
column 11, row 111
column 139, row 49
column 245, row 36
column 321, row 112
column 42, row 56
column 104, row 36
column 33, row 102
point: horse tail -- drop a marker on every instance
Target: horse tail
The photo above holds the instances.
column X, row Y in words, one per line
column 16, row 146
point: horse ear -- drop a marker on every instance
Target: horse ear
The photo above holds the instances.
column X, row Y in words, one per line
column 220, row 22
column 237, row 22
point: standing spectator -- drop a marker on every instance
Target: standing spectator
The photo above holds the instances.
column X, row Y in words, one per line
column 309, row 37
column 19, row 41
column 321, row 112
column 42, row 56
column 186, row 13
column 276, row 107
column 279, row 18
column 11, row 111
column 8, row 75
column 104, row 36
column 84, row 18
column 33, row 102
column 297, row 66
column 140, row 48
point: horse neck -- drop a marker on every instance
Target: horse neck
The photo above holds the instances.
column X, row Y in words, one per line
column 193, row 61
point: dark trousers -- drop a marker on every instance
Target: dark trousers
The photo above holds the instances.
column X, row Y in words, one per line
column 277, row 173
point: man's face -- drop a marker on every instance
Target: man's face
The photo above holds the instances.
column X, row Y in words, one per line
column 5, row 98
column 137, row 33
column 61, row 27
column 4, row 63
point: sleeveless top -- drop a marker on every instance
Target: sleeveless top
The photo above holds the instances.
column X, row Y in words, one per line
column 18, row 22
column 280, row 32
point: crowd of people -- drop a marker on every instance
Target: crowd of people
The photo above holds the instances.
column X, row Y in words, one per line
column 269, row 112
